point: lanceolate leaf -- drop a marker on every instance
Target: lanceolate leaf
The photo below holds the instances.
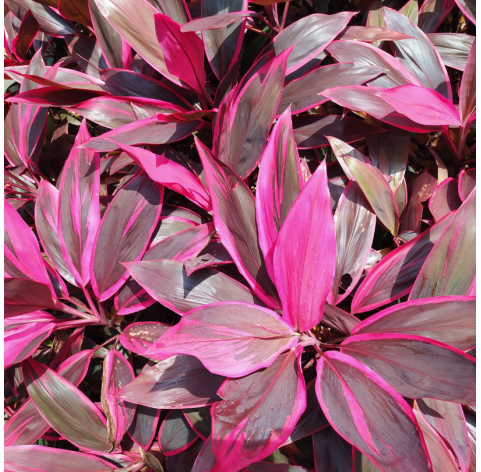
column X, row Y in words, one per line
column 355, row 225
column 178, row 382
column 394, row 276
column 371, row 34
column 138, row 337
column 49, row 459
column 234, row 217
column 309, row 36
column 23, row 296
column 331, row 451
column 416, row 367
column 450, row 320
column 144, row 425
column 276, row 394
column 124, row 233
column 221, row 346
column 365, row 410
column 453, row 48
column 338, row 319
column 444, row 199
column 377, row 192
column 175, row 434
column 450, row 267
column 65, row 408
column 467, row 91
column 466, row 183
column 278, row 185
column 79, row 211
column 305, row 255
column 448, row 420
column 117, row 373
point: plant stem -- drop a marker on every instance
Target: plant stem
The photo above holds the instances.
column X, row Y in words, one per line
column 269, row 24
column 284, row 15
column 259, row 32
column 91, row 303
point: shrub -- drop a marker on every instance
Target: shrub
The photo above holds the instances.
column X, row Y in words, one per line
column 239, row 239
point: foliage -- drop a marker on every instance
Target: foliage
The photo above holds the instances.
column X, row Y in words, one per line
column 240, row 236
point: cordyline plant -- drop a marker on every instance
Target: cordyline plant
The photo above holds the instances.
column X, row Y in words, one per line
column 239, row 237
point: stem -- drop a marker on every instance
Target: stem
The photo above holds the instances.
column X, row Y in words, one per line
column 73, row 311
column 284, row 15
column 102, row 314
column 91, row 304
column 269, row 24
column 209, row 99
column 259, row 32
column 449, row 142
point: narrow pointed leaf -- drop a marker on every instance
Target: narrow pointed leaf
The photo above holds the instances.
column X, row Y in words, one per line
column 175, row 434
column 355, row 225
column 76, row 10
column 331, row 451
column 468, row 7
column 444, row 199
column 466, row 183
column 338, row 319
column 178, row 382
column 26, row 34
column 304, row 269
column 370, row 34
column 79, row 210
column 416, row 367
column 450, row 320
column 357, row 402
column 213, row 255
column 124, row 233
column 138, row 337
column 221, row 346
column 453, row 48
column 432, row 13
column 276, row 394
column 394, row 276
column 69, row 411
column 144, row 425
column 23, row 296
column 467, row 91
column 215, row 16
column 450, row 267
column 278, row 185
column 230, row 198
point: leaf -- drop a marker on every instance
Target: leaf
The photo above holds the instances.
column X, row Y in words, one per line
column 273, row 467
column 65, row 408
column 467, row 90
column 452, row 47
column 178, row 382
column 448, row 420
column 175, row 434
column 418, row 55
column 466, row 183
column 390, row 150
column 23, row 296
column 355, row 224
column 422, row 105
column 276, row 394
column 278, row 184
column 370, row 414
column 174, row 176
column 450, row 320
column 222, row 44
column 377, row 192
column 76, row 10
column 26, row 34
column 200, row 420
column 117, row 373
column 159, row 129
column 416, row 367
column 304, row 278
column 331, row 451
column 221, row 346
column 432, row 13
column 244, row 132
column 371, row 34
column 184, row 461
column 395, row 73
column 306, row 92
column 144, row 426
column 394, row 276
column 234, row 218
column 183, row 53
column 49, row 459
column 410, row 11
column 309, row 36
column 468, row 7
column 338, row 319
column 450, row 268
column 128, row 17
column 138, row 337
column 311, row 131
column 213, row 255
column 444, row 199
column 79, row 210
column 124, row 233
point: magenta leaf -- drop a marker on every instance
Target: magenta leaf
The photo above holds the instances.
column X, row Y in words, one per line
column 415, row 366
column 450, row 268
column 278, row 185
column 305, row 235
column 213, row 255
column 175, row 434
column 371, row 34
column 124, row 233
column 363, row 408
column 450, row 320
column 183, row 53
column 221, row 346
column 230, row 198
column 394, row 276
column 276, row 394
column 212, row 19
column 338, row 319
column 422, row 105
column 467, row 90
column 79, row 213
column 432, row 14
column 49, row 459
column 65, row 408
column 177, row 382
column 117, row 373
column 444, row 199
column 466, row 183
column 144, row 425
column 138, row 337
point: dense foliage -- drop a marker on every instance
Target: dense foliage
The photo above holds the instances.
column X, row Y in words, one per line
column 240, row 236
